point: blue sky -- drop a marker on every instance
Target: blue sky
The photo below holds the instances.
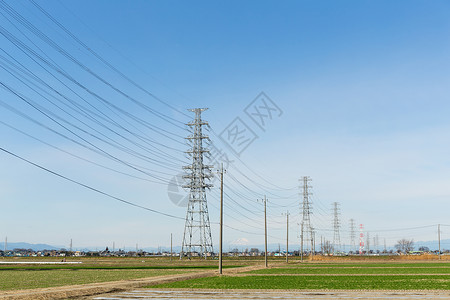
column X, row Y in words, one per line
column 363, row 87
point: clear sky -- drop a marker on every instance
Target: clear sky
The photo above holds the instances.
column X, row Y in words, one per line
column 360, row 91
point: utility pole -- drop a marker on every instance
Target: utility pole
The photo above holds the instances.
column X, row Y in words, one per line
column 70, row 248
column 301, row 242
column 197, row 230
column 265, row 231
column 221, row 171
column 171, row 252
column 287, row 236
column 439, row 240
column 336, row 226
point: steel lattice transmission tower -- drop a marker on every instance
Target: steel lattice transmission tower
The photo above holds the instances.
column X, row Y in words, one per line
column 197, row 231
column 336, row 227
column 306, row 230
column 352, row 234
column 361, row 239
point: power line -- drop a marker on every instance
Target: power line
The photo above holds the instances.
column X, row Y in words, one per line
column 106, row 62
column 13, row 13
column 114, row 197
column 112, row 142
column 89, row 187
column 31, row 53
column 92, row 116
column 75, row 155
column 83, row 139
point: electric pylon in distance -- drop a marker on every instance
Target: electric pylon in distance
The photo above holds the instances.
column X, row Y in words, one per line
column 197, row 238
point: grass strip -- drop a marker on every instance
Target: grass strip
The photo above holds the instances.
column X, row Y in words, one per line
column 415, row 282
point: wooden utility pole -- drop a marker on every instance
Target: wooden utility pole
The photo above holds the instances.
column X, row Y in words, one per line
column 171, row 247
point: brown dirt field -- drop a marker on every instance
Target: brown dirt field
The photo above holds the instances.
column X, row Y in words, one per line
column 356, row 258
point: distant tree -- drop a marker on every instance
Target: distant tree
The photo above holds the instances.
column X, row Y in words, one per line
column 254, row 250
column 424, row 249
column 327, row 247
column 405, row 245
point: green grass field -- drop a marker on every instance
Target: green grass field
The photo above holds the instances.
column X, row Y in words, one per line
column 91, row 270
column 354, row 270
column 351, row 276
column 402, row 282
column 23, row 279
column 375, row 275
